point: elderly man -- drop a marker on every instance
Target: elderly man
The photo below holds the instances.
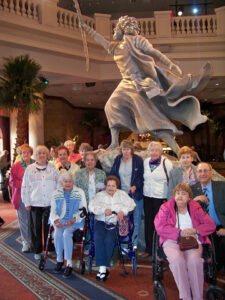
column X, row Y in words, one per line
column 212, row 193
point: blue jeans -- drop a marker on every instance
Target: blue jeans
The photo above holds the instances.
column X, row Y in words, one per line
column 137, row 220
column 104, row 244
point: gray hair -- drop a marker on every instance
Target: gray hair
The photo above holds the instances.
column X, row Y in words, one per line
column 65, row 176
column 90, row 153
column 206, row 163
column 152, row 144
column 41, row 147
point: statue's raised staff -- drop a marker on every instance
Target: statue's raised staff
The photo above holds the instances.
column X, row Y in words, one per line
column 152, row 90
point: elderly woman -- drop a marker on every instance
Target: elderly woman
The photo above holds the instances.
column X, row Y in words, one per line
column 63, row 161
column 184, row 217
column 73, row 157
column 156, row 174
column 106, row 202
column 185, row 173
column 65, row 217
column 90, row 179
column 128, row 167
column 15, row 181
column 39, row 182
column 85, row 147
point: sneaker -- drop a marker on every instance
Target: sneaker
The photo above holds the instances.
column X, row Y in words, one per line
column 37, row 256
column 104, row 276
column 26, row 249
column 135, row 248
column 58, row 267
column 68, row 272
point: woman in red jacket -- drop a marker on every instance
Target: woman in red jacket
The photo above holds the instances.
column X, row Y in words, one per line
column 15, row 181
column 182, row 216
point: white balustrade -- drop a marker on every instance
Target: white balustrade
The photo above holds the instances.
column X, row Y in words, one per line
column 199, row 25
column 147, row 27
column 26, row 8
column 69, row 19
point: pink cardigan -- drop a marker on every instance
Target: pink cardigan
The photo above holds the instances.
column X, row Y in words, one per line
column 165, row 222
column 15, row 181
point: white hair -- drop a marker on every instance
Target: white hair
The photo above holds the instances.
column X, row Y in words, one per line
column 153, row 144
column 65, row 176
column 41, row 147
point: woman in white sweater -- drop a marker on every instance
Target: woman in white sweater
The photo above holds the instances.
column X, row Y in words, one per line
column 103, row 205
column 156, row 174
column 39, row 182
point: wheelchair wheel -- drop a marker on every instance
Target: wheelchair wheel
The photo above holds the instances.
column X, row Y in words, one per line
column 159, row 292
column 89, row 264
column 134, row 265
column 215, row 293
column 41, row 263
column 82, row 268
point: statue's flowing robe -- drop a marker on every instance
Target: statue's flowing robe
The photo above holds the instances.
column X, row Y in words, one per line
column 149, row 95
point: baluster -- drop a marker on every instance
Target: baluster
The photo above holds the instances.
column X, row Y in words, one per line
column 206, row 25
column 68, row 21
column 215, row 25
column 22, row 7
column 196, row 26
column 140, row 27
column 190, row 25
column 28, row 8
column 59, row 17
column 9, row 5
column 149, row 28
column 17, row 8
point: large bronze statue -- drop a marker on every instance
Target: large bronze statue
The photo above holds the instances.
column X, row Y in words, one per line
column 152, row 90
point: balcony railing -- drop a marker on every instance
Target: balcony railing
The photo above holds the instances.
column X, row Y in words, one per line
column 28, row 9
column 162, row 25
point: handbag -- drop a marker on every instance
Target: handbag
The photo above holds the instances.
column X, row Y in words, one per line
column 124, row 226
column 186, row 242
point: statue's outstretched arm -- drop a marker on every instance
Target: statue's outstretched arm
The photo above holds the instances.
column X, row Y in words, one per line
column 148, row 49
column 96, row 36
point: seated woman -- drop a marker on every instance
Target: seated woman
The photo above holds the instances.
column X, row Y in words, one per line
column 182, row 216
column 65, row 217
column 185, row 173
column 102, row 206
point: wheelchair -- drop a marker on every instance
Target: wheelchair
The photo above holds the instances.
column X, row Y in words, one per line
column 159, row 259
column 120, row 240
column 79, row 237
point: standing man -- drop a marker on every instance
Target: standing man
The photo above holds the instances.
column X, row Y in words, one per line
column 213, row 194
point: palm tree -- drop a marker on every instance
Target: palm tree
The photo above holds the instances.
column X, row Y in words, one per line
column 19, row 89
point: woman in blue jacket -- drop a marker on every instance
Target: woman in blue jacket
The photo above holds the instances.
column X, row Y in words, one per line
column 128, row 167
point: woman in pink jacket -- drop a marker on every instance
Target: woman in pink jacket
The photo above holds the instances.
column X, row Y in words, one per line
column 15, row 181
column 182, row 216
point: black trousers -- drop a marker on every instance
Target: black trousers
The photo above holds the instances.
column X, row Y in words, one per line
column 219, row 244
column 39, row 216
column 151, row 207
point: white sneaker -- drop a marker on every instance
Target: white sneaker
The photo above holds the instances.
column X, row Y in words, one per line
column 37, row 256
column 25, row 248
column 135, row 248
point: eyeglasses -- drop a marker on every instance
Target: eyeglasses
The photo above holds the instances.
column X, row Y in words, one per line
column 203, row 171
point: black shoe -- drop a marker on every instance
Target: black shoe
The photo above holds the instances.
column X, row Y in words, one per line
column 58, row 267
column 68, row 272
column 1, row 221
column 104, row 276
column 98, row 276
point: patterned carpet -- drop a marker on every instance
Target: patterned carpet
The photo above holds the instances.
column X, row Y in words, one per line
column 45, row 285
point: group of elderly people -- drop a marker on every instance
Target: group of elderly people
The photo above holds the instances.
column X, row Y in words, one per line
column 42, row 189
